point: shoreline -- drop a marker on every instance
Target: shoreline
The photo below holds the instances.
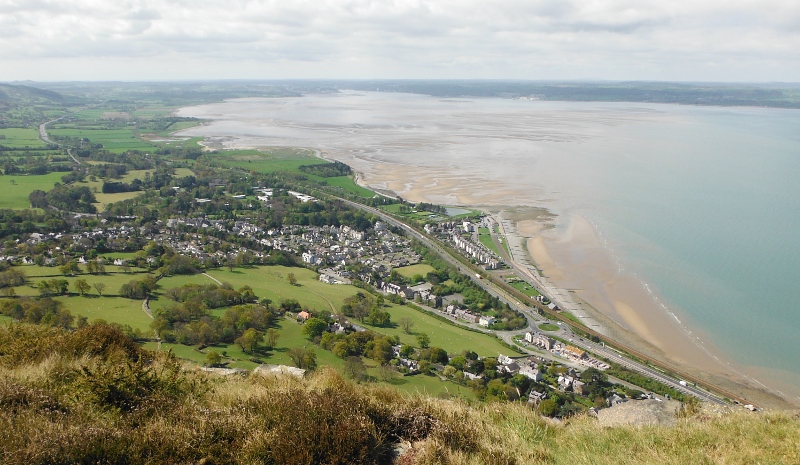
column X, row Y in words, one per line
column 617, row 303
column 576, row 267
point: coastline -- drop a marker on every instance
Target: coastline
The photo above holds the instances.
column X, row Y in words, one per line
column 577, row 267
column 396, row 159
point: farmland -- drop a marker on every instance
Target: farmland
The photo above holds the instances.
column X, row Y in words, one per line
column 16, row 189
column 113, row 140
column 16, row 138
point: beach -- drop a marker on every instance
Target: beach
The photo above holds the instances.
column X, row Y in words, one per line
column 586, row 196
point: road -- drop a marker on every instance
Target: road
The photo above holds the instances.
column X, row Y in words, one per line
column 534, row 319
column 46, row 138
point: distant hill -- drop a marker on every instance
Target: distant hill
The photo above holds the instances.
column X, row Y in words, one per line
column 26, row 95
column 761, row 95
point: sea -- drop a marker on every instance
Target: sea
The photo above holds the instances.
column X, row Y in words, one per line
column 701, row 203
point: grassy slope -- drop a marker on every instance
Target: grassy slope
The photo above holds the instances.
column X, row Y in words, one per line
column 50, row 417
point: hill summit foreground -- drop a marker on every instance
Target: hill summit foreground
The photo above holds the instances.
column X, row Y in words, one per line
column 94, row 396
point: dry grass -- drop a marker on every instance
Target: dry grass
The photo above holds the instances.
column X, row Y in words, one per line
column 91, row 396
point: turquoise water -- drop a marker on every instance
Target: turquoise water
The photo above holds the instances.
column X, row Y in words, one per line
column 707, row 212
column 701, row 203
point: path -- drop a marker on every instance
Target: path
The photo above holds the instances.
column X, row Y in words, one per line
column 146, row 308
column 46, row 138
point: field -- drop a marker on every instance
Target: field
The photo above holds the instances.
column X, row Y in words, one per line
column 485, row 236
column 113, row 140
column 447, row 336
column 411, row 270
column 287, row 159
column 16, row 189
column 110, row 309
column 17, row 138
column 525, row 288
column 346, row 183
column 272, row 283
column 268, row 160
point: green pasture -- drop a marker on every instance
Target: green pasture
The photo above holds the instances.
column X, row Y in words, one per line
column 110, row 309
column 113, row 140
column 16, row 138
column 485, row 236
column 347, row 184
column 271, row 282
column 414, row 215
column 525, row 288
column 17, row 189
column 266, row 160
column 4, row 320
column 448, row 336
column 183, row 172
column 113, row 281
column 411, row 270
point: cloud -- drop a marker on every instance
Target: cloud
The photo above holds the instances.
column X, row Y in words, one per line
column 383, row 38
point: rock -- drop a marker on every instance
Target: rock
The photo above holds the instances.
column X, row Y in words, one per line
column 639, row 412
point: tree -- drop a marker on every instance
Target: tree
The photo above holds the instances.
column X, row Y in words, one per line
column 82, row 286
column 213, row 358
column 249, row 341
column 424, row 340
column 314, row 327
column 379, row 318
column 292, row 279
column 99, row 287
column 354, row 368
column 386, row 372
column 272, row 338
column 406, row 323
column 381, row 351
column 303, row 358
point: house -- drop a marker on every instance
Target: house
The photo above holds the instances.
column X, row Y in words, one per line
column 615, row 399
column 504, row 359
column 511, row 368
column 486, row 321
column 532, row 373
column 574, row 352
column 304, row 315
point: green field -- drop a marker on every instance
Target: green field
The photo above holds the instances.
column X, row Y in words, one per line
column 525, row 288
column 445, row 335
column 485, row 236
column 111, row 309
column 267, row 160
column 346, row 183
column 271, row 282
column 411, row 270
column 113, row 281
column 16, row 138
column 16, row 189
column 113, row 140
column 549, row 327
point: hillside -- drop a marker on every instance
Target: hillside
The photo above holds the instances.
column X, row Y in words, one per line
column 93, row 396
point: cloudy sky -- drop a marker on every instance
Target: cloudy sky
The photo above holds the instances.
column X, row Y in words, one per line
column 686, row 40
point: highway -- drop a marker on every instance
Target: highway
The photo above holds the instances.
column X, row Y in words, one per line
column 534, row 319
